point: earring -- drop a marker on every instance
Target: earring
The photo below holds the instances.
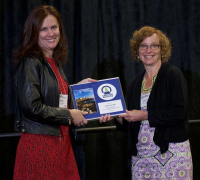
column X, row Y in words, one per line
column 138, row 57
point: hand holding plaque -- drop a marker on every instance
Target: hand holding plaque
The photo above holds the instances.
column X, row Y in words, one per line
column 99, row 98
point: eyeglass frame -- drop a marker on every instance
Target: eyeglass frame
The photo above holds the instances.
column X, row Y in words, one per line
column 158, row 45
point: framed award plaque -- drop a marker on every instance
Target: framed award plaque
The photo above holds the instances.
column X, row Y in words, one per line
column 99, row 98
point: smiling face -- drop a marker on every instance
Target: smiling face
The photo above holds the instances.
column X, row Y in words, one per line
column 148, row 56
column 49, row 35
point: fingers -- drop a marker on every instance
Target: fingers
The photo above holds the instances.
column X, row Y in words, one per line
column 127, row 114
column 78, row 118
column 82, row 123
column 123, row 115
column 109, row 117
column 101, row 119
column 127, row 117
column 85, row 121
column 87, row 81
column 91, row 80
column 84, row 112
column 105, row 118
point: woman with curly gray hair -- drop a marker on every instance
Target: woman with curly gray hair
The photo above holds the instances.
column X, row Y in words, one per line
column 156, row 119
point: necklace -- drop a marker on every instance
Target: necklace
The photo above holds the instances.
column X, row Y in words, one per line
column 150, row 88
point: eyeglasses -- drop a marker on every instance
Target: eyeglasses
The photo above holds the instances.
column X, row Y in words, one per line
column 152, row 46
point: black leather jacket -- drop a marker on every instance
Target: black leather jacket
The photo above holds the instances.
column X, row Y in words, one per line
column 38, row 109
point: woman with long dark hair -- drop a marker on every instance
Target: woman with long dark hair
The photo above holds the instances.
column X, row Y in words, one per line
column 43, row 114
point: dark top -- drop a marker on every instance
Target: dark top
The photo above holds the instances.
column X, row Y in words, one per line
column 166, row 109
column 45, row 157
column 37, row 89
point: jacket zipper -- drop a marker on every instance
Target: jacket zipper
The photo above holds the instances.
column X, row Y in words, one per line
column 58, row 91
column 75, row 133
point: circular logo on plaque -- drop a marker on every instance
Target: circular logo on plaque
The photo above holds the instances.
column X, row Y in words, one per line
column 106, row 91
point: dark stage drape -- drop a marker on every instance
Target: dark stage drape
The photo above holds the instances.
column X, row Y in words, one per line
column 98, row 34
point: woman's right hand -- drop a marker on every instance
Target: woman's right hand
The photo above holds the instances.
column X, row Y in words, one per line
column 77, row 117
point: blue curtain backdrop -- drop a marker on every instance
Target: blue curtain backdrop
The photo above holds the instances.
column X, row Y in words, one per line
column 98, row 33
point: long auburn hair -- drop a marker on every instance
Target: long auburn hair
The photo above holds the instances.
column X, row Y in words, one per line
column 29, row 37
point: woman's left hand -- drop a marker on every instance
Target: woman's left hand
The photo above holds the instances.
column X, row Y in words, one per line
column 135, row 115
column 87, row 81
column 105, row 118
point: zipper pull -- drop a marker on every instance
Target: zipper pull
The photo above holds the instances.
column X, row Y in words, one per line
column 75, row 133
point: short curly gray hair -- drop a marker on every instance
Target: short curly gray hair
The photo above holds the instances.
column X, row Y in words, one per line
column 147, row 31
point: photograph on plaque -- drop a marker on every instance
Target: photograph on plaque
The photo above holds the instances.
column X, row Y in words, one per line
column 99, row 98
column 85, row 100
